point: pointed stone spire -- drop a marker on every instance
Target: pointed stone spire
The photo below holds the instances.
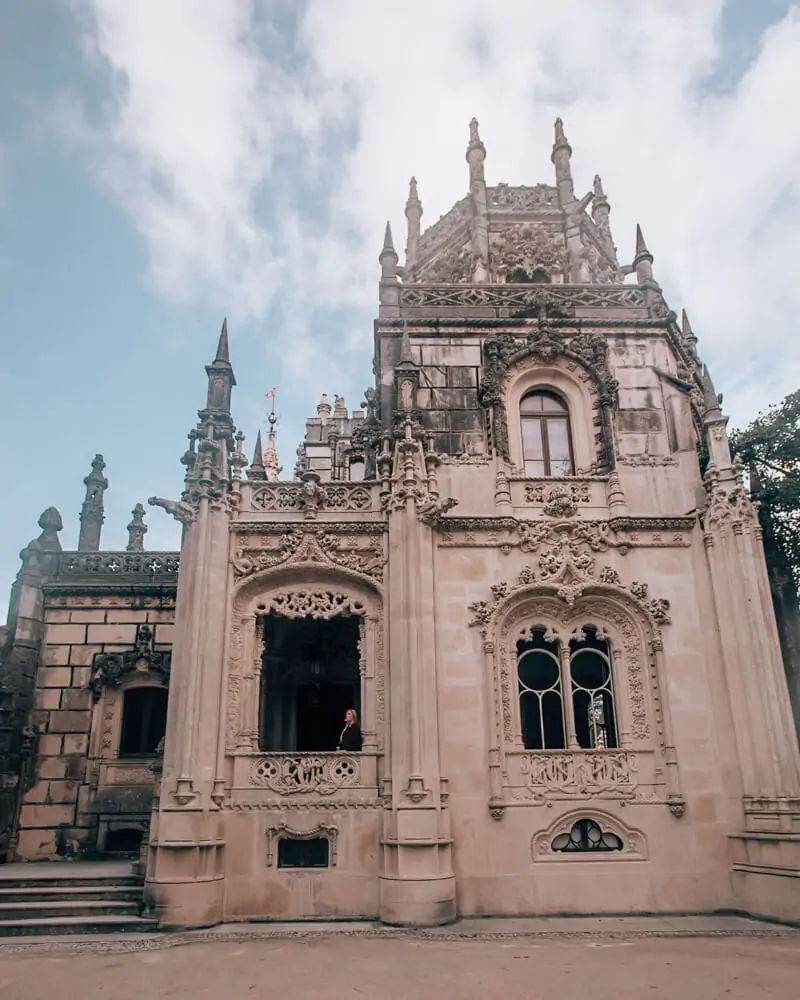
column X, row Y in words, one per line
column 688, row 333
column 560, row 156
column 220, row 375
column 137, row 529
column 271, row 464
column 388, row 256
column 414, row 216
column 643, row 259
column 476, row 153
column 92, row 515
column 257, row 472
column 479, row 222
column 223, row 356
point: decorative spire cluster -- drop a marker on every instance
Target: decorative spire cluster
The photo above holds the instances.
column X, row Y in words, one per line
column 137, row 529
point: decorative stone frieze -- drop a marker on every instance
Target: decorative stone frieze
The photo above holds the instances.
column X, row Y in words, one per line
column 556, row 775
column 311, row 498
column 351, row 548
column 319, row 773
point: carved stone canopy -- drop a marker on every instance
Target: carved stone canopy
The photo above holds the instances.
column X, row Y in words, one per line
column 110, row 669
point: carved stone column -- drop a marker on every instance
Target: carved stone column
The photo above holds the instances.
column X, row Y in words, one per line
column 417, row 884
column 185, row 874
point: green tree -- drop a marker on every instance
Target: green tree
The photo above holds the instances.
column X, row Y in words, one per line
column 770, row 451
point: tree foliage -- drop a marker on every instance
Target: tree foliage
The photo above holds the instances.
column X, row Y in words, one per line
column 770, row 451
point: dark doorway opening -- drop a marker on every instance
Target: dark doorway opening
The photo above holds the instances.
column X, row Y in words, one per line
column 144, row 721
column 123, row 841
column 309, row 679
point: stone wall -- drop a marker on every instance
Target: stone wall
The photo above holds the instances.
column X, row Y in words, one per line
column 56, row 816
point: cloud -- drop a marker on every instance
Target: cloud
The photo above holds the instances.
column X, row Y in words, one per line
column 258, row 148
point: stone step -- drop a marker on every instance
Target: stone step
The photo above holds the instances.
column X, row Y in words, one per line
column 100, row 924
column 79, row 893
column 65, row 880
column 68, row 908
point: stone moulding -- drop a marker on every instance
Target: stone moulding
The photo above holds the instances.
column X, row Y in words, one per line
column 634, row 842
column 282, row 830
column 320, row 773
column 361, row 552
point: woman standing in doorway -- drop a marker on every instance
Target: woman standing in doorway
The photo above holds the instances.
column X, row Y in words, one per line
column 350, row 738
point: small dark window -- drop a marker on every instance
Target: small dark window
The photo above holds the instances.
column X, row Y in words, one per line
column 585, row 836
column 144, row 721
column 546, row 436
column 295, row 853
column 123, row 841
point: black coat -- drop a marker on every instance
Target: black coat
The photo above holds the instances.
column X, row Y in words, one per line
column 351, row 739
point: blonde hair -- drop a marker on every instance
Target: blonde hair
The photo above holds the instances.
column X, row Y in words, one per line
column 355, row 714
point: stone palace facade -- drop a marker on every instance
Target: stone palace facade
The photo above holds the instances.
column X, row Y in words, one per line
column 529, row 563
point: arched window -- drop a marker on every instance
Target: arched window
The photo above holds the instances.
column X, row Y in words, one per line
column 546, row 438
column 585, row 719
column 592, row 694
column 541, row 703
column 144, row 721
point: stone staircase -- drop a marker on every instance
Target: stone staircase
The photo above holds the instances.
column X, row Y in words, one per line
column 70, row 898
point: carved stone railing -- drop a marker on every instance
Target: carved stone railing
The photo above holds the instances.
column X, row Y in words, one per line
column 319, row 773
column 547, row 775
column 505, row 300
column 106, row 567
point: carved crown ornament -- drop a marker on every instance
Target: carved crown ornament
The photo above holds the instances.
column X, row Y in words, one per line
column 110, row 669
column 351, row 549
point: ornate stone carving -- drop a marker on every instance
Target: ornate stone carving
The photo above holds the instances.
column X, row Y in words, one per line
column 430, row 507
column 311, row 498
column 522, row 198
column 183, row 512
column 438, row 234
column 728, row 505
column 315, row 604
column 280, row 830
column 559, row 499
column 109, row 669
column 634, row 843
column 362, row 553
column 513, row 298
column 527, row 248
column 609, row 773
column 503, row 352
column 321, row 773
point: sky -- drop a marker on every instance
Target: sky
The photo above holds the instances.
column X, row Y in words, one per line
column 166, row 164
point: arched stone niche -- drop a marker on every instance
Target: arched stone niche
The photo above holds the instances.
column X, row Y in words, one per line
column 313, row 591
column 643, row 767
column 575, row 388
column 634, row 842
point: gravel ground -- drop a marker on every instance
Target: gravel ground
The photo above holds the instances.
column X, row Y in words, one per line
column 393, row 968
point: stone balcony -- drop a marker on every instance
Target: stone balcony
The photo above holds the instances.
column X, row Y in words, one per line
column 299, row 779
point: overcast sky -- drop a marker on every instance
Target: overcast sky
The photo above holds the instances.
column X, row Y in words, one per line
column 164, row 163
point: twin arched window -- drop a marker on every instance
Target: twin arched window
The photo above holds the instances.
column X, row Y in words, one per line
column 546, row 437
column 566, row 696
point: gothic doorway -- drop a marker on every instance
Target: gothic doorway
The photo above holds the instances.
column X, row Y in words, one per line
column 309, row 678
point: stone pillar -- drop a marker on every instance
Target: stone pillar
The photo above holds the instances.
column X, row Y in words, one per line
column 417, row 884
column 185, row 870
column 92, row 515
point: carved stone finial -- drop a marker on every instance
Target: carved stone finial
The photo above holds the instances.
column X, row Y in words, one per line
column 137, row 529
column 51, row 523
column 339, row 407
column 324, row 407
column 92, row 515
column 272, row 467
column 388, row 242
